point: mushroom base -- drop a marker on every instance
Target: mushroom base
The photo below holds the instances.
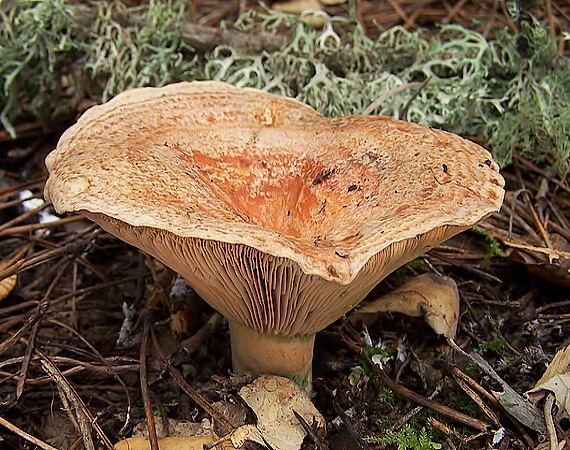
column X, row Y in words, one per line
column 287, row 356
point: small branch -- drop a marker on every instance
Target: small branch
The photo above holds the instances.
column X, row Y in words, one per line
column 446, row 430
column 153, row 438
column 201, row 401
column 34, row 183
column 475, row 397
column 551, row 253
column 8, row 343
column 386, row 95
column 412, row 98
column 41, row 310
column 458, row 374
column 82, row 417
column 107, row 369
column 361, row 443
column 202, row 39
column 25, row 436
column 309, row 431
column 513, row 403
column 434, row 406
column 22, row 217
column 466, row 267
column 540, row 171
column 97, row 287
column 550, row 428
column 39, row 226
column 406, row 417
column 192, row 344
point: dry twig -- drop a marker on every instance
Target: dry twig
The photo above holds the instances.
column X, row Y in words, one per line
column 153, row 438
column 76, row 409
column 227, row 424
column 456, row 416
column 41, row 311
column 550, row 428
column 28, row 437
column 309, row 430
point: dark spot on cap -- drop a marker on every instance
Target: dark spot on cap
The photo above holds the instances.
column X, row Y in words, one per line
column 354, row 187
column 488, row 162
column 332, row 271
column 444, row 167
column 324, row 175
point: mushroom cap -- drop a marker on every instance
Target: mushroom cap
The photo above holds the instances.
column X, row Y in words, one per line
column 220, row 182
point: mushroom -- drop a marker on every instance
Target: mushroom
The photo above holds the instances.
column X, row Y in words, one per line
column 281, row 219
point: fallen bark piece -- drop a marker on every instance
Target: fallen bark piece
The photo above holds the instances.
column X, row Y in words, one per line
column 273, row 400
column 556, row 379
column 430, row 296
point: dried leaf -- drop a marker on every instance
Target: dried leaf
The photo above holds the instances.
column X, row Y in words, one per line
column 8, row 283
column 167, row 443
column 552, row 265
column 273, row 400
column 246, row 432
column 297, row 6
column 175, row 428
column 556, row 379
column 433, row 297
column 309, row 10
column 560, row 364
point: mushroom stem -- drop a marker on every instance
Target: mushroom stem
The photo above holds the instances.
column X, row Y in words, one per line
column 258, row 353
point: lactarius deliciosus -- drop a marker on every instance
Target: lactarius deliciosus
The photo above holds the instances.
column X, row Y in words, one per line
column 280, row 218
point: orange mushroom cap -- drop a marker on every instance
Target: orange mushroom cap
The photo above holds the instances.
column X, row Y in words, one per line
column 280, row 218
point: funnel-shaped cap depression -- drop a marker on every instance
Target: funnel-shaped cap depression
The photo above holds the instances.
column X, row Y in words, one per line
column 279, row 217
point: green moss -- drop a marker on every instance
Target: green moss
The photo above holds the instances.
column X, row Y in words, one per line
column 387, row 396
column 494, row 247
column 408, row 438
column 495, row 344
column 471, row 370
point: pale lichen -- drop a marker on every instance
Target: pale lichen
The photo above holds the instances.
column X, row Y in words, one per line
column 511, row 91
